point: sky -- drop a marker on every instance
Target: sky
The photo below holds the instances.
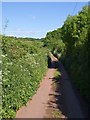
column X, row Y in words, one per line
column 35, row 19
column 45, row 0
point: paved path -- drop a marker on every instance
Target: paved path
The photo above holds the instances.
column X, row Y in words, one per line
column 36, row 108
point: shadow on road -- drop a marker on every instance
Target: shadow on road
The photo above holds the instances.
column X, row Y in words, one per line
column 57, row 102
column 62, row 98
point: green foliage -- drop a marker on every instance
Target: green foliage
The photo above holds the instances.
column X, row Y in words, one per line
column 57, row 74
column 75, row 37
column 23, row 60
column 54, row 42
column 24, row 64
column 70, row 44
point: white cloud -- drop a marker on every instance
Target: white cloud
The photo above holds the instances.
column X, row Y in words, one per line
column 11, row 35
column 20, row 31
column 33, row 17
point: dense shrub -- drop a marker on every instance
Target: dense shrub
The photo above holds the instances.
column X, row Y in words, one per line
column 24, row 64
column 70, row 45
column 75, row 37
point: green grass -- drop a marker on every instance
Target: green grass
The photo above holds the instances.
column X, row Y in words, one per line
column 57, row 74
column 56, row 114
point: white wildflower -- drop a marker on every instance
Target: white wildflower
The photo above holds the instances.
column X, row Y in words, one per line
column 9, row 63
column 3, row 55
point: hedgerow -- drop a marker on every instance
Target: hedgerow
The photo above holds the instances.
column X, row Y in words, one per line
column 24, row 63
column 70, row 44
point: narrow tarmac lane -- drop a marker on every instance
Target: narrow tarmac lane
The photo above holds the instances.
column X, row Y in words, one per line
column 37, row 107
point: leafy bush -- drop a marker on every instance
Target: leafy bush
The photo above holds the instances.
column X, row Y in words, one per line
column 24, row 64
column 70, row 44
column 75, row 37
